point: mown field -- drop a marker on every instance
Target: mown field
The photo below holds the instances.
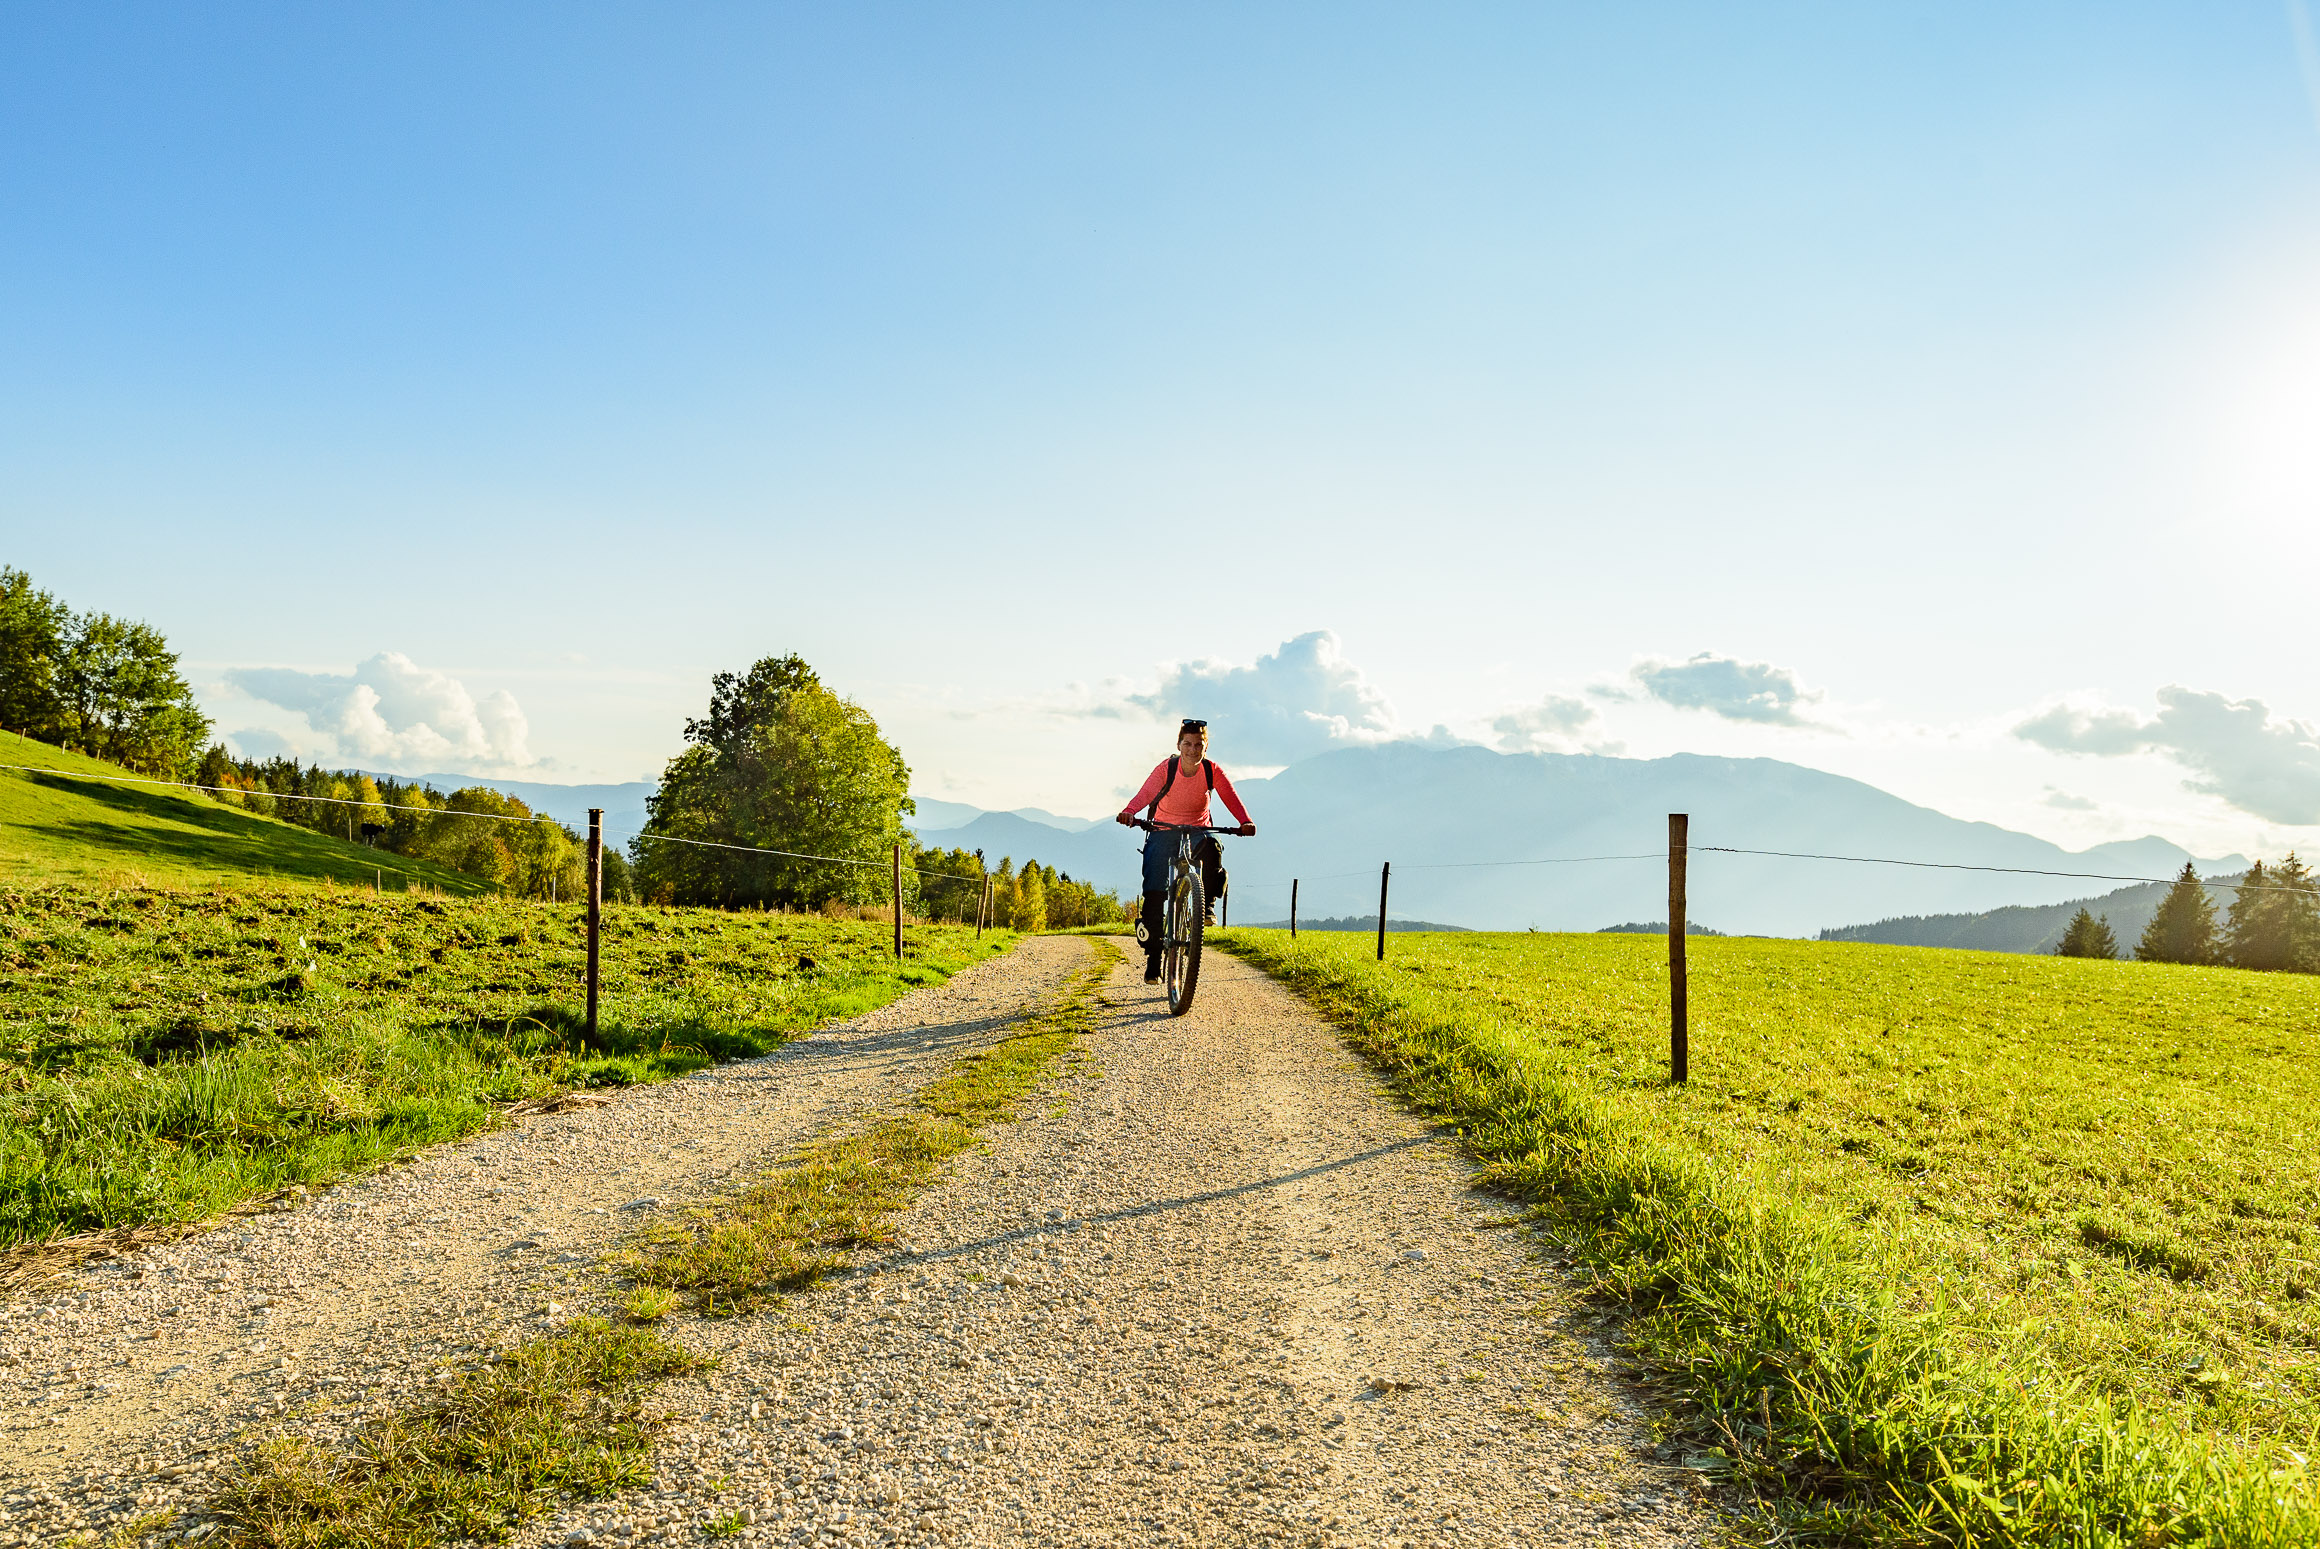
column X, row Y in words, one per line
column 1946, row 1219
column 165, row 1054
column 59, row 829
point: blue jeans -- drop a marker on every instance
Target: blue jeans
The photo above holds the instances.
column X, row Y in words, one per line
column 1159, row 854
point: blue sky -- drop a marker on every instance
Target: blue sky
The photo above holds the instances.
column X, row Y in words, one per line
column 1923, row 392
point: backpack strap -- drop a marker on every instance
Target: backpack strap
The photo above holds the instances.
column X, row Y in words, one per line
column 1208, row 772
column 1152, row 812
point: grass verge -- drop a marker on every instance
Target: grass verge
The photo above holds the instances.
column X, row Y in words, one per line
column 165, row 1055
column 563, row 1414
column 1859, row 1410
column 790, row 1229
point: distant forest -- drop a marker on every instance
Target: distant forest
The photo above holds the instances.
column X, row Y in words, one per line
column 2267, row 917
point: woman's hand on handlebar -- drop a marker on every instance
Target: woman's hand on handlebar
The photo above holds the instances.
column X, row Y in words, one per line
column 1126, row 820
column 1247, row 830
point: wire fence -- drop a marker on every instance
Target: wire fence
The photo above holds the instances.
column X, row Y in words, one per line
column 1677, row 856
column 1272, row 883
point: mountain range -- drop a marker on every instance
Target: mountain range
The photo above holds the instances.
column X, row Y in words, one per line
column 1491, row 841
column 1502, row 841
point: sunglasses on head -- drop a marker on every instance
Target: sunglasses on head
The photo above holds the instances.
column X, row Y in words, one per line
column 1191, row 726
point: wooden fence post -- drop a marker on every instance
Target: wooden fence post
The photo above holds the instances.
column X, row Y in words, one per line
column 595, row 905
column 898, row 903
column 1679, row 985
column 1385, row 876
column 1292, row 908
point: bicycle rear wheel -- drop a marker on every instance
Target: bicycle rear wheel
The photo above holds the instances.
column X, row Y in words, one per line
column 1180, row 968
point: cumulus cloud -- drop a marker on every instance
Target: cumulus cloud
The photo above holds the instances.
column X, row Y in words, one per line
column 1305, row 698
column 392, row 711
column 1726, row 686
column 2232, row 747
column 1554, row 725
column 2064, row 801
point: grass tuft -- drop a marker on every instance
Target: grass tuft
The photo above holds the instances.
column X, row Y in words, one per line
column 564, row 1414
column 791, row 1229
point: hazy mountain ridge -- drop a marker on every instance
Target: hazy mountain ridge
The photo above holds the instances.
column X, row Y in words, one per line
column 2030, row 928
column 1451, row 819
column 1437, row 812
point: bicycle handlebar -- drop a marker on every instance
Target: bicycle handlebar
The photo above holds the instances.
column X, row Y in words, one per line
column 1151, row 827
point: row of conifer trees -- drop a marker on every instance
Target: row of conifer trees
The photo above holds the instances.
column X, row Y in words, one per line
column 2272, row 922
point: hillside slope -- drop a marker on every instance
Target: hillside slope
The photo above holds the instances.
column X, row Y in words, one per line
column 2029, row 928
column 54, row 829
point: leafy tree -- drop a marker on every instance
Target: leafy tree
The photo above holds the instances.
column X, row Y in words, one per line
column 34, row 628
column 950, row 893
column 2087, row 936
column 2183, row 931
column 780, row 762
column 618, row 886
column 125, row 700
column 1003, row 891
column 1030, row 910
column 2274, row 920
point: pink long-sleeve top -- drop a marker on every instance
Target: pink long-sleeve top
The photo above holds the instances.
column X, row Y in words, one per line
column 1187, row 800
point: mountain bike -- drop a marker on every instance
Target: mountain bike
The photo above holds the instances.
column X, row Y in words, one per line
column 1183, row 913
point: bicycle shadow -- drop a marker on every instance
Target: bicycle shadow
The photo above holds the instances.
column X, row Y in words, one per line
column 1074, row 1224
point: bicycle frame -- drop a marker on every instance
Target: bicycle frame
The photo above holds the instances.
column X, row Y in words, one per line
column 1183, row 914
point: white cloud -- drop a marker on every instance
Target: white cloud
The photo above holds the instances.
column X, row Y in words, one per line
column 1726, row 686
column 1305, row 698
column 2064, row 801
column 2232, row 747
column 391, row 712
column 258, row 742
column 1554, row 725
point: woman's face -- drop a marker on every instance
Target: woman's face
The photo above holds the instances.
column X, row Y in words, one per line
column 1191, row 746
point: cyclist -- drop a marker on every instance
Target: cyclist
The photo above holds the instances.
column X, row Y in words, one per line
column 1177, row 791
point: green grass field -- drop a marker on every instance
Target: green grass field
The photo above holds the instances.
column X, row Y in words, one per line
column 2085, row 1195
column 54, row 829
column 166, row 1054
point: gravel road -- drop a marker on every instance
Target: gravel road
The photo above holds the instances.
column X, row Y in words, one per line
column 1214, row 1288
column 122, row 1385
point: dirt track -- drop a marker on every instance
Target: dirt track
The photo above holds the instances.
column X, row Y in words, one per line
column 1214, row 1288
column 1255, row 1303
column 154, row 1362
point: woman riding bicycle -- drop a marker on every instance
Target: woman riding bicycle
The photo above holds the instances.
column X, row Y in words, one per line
column 1176, row 792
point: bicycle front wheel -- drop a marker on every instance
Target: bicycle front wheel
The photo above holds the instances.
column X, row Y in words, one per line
column 1181, row 967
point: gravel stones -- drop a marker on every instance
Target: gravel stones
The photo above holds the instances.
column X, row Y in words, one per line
column 373, row 1285
column 1172, row 1304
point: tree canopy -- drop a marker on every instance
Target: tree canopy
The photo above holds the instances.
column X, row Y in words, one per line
column 2274, row 919
column 2183, row 931
column 780, row 762
column 2087, row 936
column 101, row 685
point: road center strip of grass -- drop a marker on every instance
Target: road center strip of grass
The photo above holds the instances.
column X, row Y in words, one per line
column 565, row 1414
column 1776, row 1344
column 560, row 1414
column 792, row 1228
